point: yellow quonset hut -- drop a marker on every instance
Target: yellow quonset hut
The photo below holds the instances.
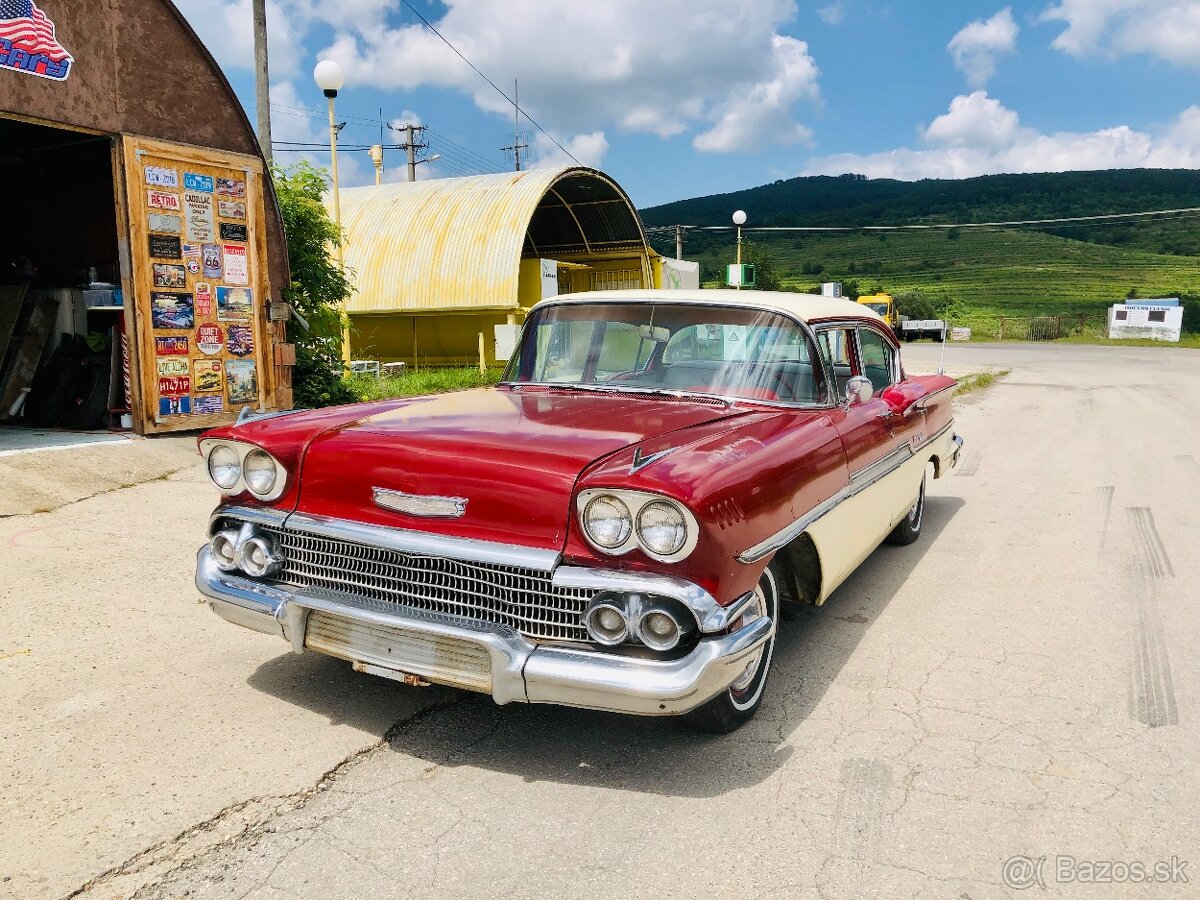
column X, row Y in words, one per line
column 436, row 263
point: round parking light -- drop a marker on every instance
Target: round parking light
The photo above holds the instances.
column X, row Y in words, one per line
column 606, row 623
column 257, row 558
column 224, row 550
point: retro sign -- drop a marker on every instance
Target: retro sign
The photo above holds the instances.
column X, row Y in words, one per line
column 228, row 187
column 208, row 405
column 234, row 304
column 232, row 232
column 169, row 310
column 207, row 376
column 239, row 340
column 199, row 209
column 28, row 43
column 162, row 222
column 161, row 199
column 241, row 378
column 231, row 209
column 209, row 338
column 171, row 345
column 169, row 275
column 174, row 406
column 212, row 261
column 164, row 246
column 237, row 270
column 174, row 385
column 194, row 182
column 170, row 367
column 204, row 299
column 160, row 176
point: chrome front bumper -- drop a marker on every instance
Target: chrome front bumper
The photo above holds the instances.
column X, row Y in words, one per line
column 400, row 642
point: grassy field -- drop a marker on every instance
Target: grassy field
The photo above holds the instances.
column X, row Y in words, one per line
column 428, row 381
column 995, row 273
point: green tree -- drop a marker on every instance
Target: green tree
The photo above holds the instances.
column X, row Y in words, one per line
column 318, row 288
column 766, row 275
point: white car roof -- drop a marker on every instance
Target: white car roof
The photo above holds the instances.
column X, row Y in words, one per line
column 808, row 307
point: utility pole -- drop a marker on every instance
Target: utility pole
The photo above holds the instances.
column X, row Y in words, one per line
column 679, row 242
column 412, row 145
column 517, row 145
column 262, row 97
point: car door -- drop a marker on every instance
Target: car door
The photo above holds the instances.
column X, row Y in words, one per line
column 865, row 428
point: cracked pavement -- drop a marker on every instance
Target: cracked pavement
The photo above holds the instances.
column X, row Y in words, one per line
column 1022, row 681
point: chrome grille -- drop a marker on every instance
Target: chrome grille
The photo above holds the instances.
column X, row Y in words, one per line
column 523, row 599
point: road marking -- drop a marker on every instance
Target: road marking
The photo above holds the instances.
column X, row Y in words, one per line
column 1152, row 559
column 1102, row 498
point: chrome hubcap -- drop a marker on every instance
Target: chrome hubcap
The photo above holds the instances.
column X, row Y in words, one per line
column 756, row 610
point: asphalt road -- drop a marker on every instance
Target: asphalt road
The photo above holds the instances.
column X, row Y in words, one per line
column 1022, row 682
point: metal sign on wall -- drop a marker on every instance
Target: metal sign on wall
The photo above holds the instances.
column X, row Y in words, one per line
column 202, row 285
column 28, row 43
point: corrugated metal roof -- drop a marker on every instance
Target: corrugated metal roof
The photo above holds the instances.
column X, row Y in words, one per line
column 456, row 243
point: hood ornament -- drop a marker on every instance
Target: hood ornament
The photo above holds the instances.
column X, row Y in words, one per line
column 420, row 504
column 640, row 462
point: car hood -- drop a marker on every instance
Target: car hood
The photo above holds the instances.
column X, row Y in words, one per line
column 513, row 457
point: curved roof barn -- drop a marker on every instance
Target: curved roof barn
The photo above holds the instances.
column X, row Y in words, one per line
column 457, row 243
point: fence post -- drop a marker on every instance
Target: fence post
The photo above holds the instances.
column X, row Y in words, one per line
column 1000, row 336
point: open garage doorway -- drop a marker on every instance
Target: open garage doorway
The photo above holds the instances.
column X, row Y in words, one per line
column 61, row 302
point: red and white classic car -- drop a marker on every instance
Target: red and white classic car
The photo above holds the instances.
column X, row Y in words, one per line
column 614, row 526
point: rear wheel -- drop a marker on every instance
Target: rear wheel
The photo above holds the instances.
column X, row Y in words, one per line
column 909, row 528
column 739, row 702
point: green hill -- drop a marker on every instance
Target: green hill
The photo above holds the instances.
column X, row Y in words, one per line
column 1071, row 270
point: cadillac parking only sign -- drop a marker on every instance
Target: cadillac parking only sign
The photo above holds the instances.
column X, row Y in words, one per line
column 28, row 43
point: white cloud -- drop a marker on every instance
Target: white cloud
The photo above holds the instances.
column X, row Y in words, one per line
column 589, row 149
column 227, row 29
column 676, row 66
column 1168, row 29
column 980, row 136
column 974, row 120
column 744, row 121
column 833, row 13
column 979, row 45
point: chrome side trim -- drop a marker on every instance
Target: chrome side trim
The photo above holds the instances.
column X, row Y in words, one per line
column 710, row 616
column 859, row 482
column 408, row 541
column 425, row 505
column 246, row 514
column 884, row 464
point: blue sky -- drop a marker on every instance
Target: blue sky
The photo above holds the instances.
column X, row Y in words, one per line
column 680, row 98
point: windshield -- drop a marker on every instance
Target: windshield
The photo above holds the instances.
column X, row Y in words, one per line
column 730, row 351
column 881, row 308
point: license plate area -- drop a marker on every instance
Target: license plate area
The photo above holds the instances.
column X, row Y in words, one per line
column 401, row 651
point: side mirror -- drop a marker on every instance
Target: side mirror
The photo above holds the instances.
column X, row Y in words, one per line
column 858, row 390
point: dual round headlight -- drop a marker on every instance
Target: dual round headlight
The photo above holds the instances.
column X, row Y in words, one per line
column 616, row 522
column 234, row 467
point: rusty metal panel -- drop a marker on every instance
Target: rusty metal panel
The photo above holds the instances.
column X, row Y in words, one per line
column 456, row 243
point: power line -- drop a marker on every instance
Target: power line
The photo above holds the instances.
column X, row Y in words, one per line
column 1105, row 218
column 429, row 25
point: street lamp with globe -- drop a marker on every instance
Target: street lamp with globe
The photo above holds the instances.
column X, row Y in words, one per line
column 739, row 219
column 329, row 78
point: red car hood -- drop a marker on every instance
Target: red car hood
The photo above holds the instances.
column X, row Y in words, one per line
column 514, row 456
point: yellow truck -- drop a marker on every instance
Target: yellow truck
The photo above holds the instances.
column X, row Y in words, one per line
column 904, row 327
column 885, row 305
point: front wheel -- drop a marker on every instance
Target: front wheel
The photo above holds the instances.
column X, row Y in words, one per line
column 739, row 702
column 909, row 528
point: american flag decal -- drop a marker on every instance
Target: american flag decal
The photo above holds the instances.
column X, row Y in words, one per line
column 28, row 43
